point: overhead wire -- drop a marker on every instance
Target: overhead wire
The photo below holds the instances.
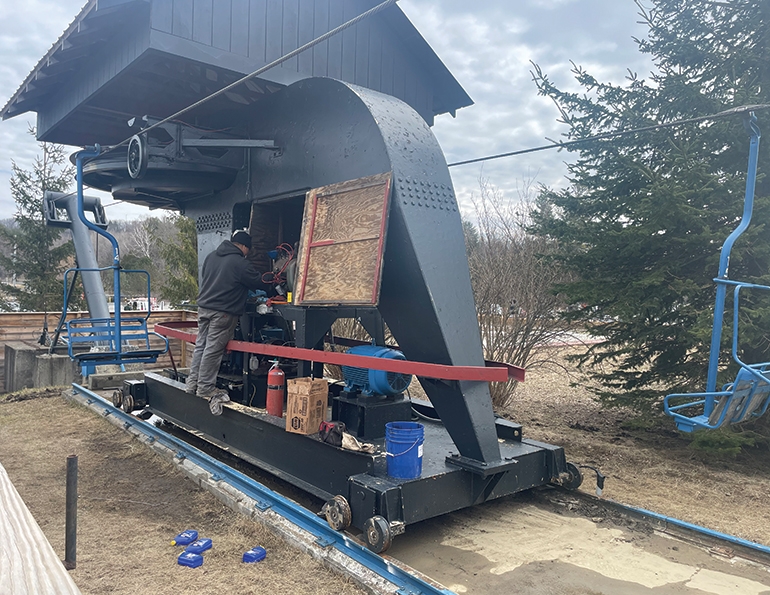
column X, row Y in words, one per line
column 566, row 144
column 352, row 22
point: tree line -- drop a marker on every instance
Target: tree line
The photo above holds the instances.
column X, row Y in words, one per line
column 34, row 256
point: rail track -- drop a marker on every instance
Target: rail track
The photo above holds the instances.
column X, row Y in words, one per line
column 297, row 507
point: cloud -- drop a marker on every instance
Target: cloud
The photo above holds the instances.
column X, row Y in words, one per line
column 488, row 45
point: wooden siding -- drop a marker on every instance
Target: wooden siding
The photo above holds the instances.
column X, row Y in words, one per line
column 27, row 326
column 368, row 54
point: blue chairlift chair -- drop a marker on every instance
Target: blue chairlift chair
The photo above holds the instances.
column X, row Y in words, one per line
column 116, row 340
column 748, row 396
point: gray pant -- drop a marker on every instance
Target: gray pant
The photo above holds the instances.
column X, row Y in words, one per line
column 215, row 329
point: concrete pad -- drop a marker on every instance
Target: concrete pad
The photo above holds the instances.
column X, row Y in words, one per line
column 55, row 370
column 19, row 365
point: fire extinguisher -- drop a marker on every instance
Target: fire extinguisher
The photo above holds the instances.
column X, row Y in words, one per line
column 276, row 383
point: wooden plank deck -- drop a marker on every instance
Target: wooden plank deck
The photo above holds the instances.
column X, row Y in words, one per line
column 28, row 563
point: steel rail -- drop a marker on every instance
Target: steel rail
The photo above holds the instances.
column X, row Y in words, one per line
column 266, row 499
column 493, row 372
column 676, row 527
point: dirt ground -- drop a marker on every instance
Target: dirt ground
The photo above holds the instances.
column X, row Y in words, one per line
column 131, row 504
column 653, row 469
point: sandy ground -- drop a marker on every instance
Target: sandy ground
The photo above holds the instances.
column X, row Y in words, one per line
column 653, row 469
column 132, row 504
column 521, row 545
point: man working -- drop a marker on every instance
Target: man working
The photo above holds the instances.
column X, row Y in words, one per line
column 225, row 282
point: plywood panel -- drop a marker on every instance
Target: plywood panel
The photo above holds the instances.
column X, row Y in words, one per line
column 342, row 244
column 342, row 273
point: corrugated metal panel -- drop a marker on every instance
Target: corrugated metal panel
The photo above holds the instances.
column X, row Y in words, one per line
column 28, row 564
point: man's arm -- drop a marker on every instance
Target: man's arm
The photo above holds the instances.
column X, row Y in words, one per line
column 252, row 278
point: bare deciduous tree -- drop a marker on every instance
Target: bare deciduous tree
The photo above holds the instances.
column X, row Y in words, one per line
column 513, row 283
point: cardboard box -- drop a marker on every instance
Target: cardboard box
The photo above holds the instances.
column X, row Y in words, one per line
column 306, row 403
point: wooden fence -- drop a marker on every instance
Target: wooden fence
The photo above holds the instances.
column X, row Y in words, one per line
column 28, row 326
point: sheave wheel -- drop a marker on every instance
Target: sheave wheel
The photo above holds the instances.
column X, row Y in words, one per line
column 117, row 398
column 338, row 513
column 377, row 535
column 574, row 479
column 137, row 156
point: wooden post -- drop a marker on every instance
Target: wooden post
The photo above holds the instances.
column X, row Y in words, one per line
column 71, row 522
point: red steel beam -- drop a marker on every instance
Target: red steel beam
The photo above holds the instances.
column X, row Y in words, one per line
column 493, row 372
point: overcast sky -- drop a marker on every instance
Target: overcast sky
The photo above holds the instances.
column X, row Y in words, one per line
column 487, row 44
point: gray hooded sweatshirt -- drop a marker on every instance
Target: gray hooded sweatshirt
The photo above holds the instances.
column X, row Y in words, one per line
column 226, row 279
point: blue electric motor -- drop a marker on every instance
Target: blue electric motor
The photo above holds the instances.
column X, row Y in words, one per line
column 375, row 382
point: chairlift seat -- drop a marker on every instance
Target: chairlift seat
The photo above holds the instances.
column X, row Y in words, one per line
column 102, row 332
column 747, row 397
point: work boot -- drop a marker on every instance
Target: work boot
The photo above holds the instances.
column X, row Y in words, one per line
column 216, row 399
column 190, row 386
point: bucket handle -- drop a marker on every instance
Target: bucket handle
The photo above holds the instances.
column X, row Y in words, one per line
column 390, row 454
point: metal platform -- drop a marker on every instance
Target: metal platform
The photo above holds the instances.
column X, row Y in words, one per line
column 448, row 482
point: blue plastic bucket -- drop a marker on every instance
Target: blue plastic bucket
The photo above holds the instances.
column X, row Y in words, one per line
column 403, row 447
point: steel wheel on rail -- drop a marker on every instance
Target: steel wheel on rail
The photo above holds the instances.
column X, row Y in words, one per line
column 377, row 534
column 128, row 402
column 572, row 478
column 338, row 514
column 117, row 398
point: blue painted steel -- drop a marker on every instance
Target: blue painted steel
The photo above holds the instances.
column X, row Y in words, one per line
column 375, row 382
column 89, row 152
column 698, row 529
column 303, row 518
column 108, row 330
column 724, row 258
column 749, row 395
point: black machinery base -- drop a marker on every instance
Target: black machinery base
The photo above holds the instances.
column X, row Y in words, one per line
column 448, row 482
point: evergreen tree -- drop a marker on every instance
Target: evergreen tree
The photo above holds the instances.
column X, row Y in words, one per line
column 644, row 216
column 37, row 255
column 180, row 254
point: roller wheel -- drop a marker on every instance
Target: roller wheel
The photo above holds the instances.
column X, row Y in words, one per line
column 573, row 477
column 137, row 156
column 377, row 534
column 338, row 513
column 117, row 398
column 128, row 403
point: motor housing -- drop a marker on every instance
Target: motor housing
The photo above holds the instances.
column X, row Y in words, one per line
column 375, row 382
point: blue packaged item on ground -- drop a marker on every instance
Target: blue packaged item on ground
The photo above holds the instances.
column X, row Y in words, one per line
column 256, row 554
column 189, row 559
column 185, row 537
column 200, row 546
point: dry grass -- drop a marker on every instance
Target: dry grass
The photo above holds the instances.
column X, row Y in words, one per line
column 132, row 504
column 651, row 468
